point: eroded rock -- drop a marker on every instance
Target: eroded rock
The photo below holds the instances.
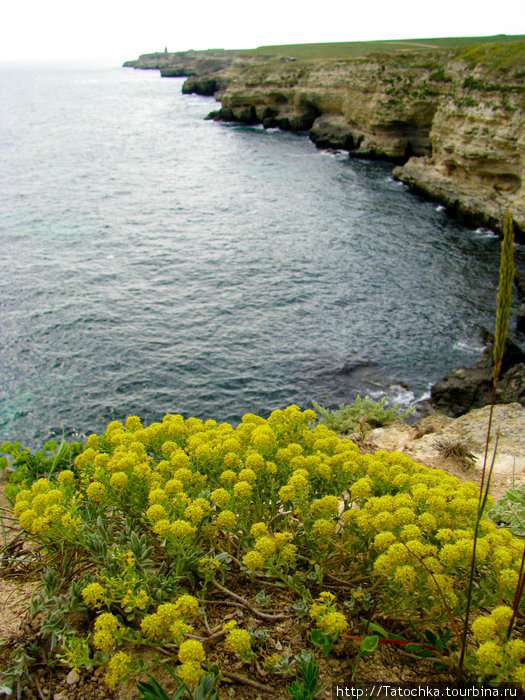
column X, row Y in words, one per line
column 469, row 430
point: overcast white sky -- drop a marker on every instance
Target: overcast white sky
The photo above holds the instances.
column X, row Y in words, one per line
column 121, row 30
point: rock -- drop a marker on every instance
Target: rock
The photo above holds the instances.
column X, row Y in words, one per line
column 471, row 431
column 60, row 696
column 72, row 677
column 174, row 72
column 221, row 115
column 332, row 132
column 395, row 436
column 465, row 388
column 205, row 85
column 461, row 389
column 520, row 320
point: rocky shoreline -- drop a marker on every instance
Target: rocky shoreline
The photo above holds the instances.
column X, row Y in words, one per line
column 453, row 125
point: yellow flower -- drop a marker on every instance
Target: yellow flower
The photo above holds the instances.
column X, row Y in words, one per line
column 96, row 491
column 228, row 476
column 162, row 526
column 515, row 650
column 191, row 650
column 173, row 486
column 362, row 488
column 287, row 493
column 194, row 513
column 208, row 566
column 117, row 669
column 406, row 576
column 180, row 460
column 186, row 605
column 178, row 629
column 238, row 641
column 133, row 423
column 242, row 489
column 118, row 480
column 39, row 525
column 323, row 527
column 384, row 539
column 247, row 475
column 219, row 497
column 258, row 529
column 182, row 528
column 106, row 628
column 70, row 523
column 321, row 605
column 157, row 496
column 189, row 672
column 255, row 462
column 226, row 520
column 328, row 505
column 501, row 615
column 310, row 415
column 66, row 477
column 299, row 481
column 333, row 623
column 288, row 553
column 410, row 532
column 229, row 625
column 266, row 545
column 254, row 560
column 156, row 512
column 92, row 440
column 93, row 593
column 489, row 657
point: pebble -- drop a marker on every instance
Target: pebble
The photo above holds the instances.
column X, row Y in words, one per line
column 72, row 677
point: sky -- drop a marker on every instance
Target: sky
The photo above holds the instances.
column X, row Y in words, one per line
column 117, row 30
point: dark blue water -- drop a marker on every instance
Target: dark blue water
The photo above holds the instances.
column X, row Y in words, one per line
column 153, row 262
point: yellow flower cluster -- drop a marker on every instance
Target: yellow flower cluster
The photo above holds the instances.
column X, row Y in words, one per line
column 274, row 493
column 191, row 655
column 118, row 668
column 107, row 631
column 48, row 510
column 496, row 656
column 238, row 641
column 170, row 621
column 270, row 549
column 323, row 611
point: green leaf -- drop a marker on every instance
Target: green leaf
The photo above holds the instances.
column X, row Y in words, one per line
column 381, row 631
column 430, row 637
column 369, row 644
column 415, row 648
column 318, row 637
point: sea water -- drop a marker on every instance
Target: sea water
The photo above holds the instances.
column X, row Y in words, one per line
column 154, row 262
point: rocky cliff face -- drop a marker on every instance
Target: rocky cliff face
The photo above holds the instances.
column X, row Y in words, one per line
column 455, row 125
column 185, row 63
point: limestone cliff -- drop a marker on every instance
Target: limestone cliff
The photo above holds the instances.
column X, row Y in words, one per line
column 454, row 124
column 184, row 63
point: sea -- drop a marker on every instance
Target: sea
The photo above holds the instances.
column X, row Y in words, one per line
column 154, row 262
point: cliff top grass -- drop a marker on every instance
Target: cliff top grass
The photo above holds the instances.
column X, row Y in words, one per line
column 358, row 49
column 502, row 56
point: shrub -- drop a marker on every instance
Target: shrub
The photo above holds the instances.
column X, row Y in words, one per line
column 360, row 415
column 156, row 519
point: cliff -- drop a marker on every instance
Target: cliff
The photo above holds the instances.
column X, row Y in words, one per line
column 452, row 121
column 184, row 63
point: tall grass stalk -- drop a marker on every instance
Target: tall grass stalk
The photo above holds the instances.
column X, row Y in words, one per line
column 506, row 274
